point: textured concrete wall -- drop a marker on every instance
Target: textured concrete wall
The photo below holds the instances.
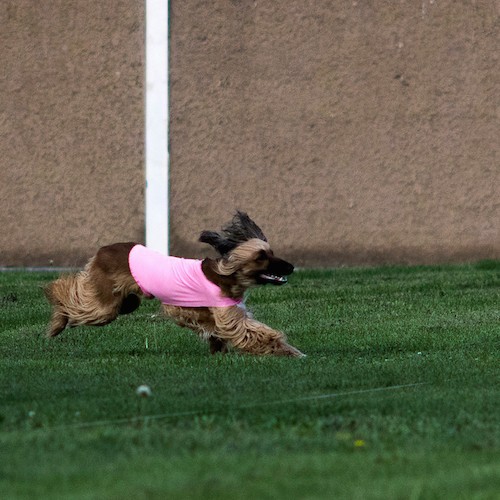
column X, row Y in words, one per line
column 71, row 128
column 354, row 132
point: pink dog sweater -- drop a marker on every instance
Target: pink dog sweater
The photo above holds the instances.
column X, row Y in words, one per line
column 175, row 281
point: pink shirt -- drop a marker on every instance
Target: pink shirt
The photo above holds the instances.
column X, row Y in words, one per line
column 175, row 281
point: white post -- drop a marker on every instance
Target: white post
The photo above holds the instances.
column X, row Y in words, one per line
column 156, row 124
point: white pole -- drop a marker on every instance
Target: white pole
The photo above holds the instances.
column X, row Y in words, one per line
column 156, row 125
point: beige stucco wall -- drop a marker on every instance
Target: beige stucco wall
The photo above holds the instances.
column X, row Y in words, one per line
column 71, row 123
column 353, row 132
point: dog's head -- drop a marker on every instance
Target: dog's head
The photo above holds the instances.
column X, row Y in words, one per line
column 246, row 257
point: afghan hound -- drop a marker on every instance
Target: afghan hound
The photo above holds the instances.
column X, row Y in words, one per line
column 206, row 296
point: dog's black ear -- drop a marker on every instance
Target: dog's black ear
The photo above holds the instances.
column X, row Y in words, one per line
column 242, row 228
column 221, row 244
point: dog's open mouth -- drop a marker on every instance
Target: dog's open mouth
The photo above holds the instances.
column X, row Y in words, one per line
column 273, row 279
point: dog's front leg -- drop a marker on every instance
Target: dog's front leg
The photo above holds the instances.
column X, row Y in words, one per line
column 236, row 327
column 200, row 320
column 217, row 345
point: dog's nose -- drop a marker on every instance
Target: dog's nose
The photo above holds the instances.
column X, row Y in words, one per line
column 289, row 268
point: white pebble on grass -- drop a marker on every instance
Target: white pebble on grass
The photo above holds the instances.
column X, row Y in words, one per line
column 144, row 391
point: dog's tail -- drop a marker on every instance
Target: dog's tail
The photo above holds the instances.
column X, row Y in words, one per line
column 54, row 290
column 67, row 291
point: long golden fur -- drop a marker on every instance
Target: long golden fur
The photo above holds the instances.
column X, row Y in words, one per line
column 105, row 289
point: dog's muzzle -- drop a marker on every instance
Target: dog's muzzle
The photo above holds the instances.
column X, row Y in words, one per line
column 273, row 279
column 276, row 273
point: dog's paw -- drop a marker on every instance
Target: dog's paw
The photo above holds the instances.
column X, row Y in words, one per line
column 288, row 350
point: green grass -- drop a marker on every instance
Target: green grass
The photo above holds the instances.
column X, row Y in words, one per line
column 337, row 424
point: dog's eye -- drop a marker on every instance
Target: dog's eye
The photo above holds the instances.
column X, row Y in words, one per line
column 262, row 256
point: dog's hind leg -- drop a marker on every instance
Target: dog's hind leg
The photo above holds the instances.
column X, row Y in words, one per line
column 59, row 319
column 129, row 304
column 96, row 295
column 58, row 322
column 76, row 300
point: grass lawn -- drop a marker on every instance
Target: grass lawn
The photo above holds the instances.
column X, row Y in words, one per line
column 398, row 398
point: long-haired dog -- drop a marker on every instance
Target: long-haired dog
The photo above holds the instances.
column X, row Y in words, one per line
column 204, row 295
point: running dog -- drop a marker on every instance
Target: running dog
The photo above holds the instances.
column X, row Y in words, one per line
column 206, row 296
